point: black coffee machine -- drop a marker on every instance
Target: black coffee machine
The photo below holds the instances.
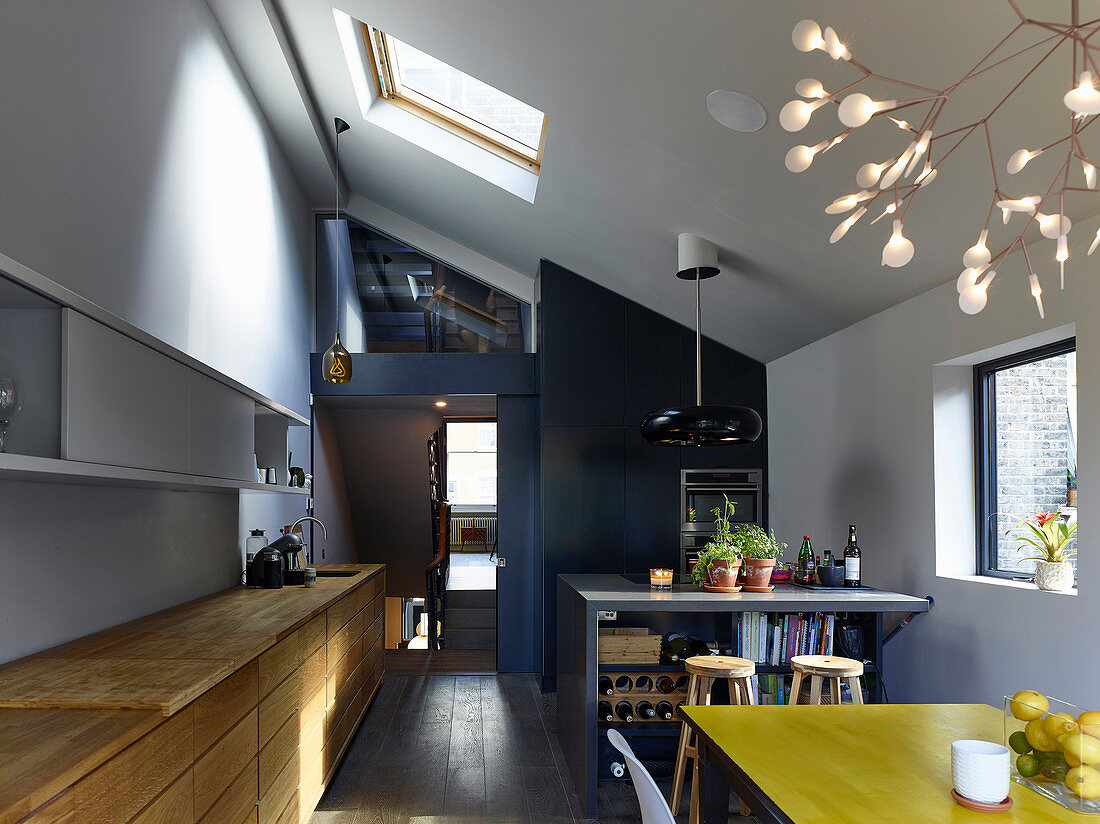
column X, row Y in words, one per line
column 276, row 563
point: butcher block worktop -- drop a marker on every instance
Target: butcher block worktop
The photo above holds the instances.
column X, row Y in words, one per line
column 164, row 661
column 67, row 710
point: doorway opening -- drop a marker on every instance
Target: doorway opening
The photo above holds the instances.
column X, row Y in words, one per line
column 470, row 475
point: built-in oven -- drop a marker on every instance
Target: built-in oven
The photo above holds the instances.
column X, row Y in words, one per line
column 704, row 490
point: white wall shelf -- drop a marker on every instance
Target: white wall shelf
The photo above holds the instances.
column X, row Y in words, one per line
column 55, row 470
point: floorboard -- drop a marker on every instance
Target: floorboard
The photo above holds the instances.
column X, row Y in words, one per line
column 441, row 662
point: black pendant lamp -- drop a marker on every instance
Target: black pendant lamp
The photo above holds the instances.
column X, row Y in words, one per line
column 700, row 425
column 336, row 363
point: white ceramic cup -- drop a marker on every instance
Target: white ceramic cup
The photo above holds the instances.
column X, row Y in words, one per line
column 980, row 770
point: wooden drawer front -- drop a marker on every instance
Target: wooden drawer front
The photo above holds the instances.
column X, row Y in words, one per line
column 340, row 643
column 62, row 810
column 376, row 608
column 345, row 726
column 281, row 791
column 279, row 662
column 115, row 792
column 371, row 676
column 277, row 707
column 215, row 770
column 344, row 610
column 239, row 800
column 313, row 635
column 292, row 813
column 312, row 768
column 175, row 805
column 253, row 817
column 276, row 753
column 342, row 699
column 343, row 670
column 313, row 709
column 374, row 637
column 224, row 704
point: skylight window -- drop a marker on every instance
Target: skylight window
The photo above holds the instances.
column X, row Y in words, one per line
column 452, row 99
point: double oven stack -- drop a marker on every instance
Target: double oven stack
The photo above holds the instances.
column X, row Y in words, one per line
column 703, row 490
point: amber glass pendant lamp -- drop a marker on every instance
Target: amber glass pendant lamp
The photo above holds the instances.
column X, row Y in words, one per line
column 336, row 363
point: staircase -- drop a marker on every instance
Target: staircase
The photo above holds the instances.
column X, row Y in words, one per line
column 471, row 619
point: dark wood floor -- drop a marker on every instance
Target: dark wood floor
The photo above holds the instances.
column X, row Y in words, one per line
column 459, row 749
column 441, row 662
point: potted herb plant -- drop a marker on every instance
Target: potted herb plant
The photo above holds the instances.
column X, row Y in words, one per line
column 760, row 551
column 1071, row 487
column 719, row 560
column 1049, row 536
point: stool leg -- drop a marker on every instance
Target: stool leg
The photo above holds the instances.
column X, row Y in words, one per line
column 856, row 686
column 681, row 750
column 693, row 801
column 746, row 688
column 815, row 689
column 705, row 686
column 834, row 690
column 734, row 686
column 796, row 687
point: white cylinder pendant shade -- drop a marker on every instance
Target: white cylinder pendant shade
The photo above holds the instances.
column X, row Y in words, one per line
column 696, row 257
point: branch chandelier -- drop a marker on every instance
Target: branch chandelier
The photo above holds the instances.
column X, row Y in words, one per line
column 895, row 182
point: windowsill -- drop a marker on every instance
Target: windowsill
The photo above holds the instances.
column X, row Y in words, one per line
column 1005, row 582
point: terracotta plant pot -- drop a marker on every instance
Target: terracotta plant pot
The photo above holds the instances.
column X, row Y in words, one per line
column 1054, row 577
column 1071, row 497
column 723, row 573
column 758, row 571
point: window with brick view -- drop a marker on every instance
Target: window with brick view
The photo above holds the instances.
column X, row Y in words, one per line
column 455, row 101
column 1027, row 428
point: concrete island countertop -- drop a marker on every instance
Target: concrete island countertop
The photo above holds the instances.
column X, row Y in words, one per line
column 618, row 593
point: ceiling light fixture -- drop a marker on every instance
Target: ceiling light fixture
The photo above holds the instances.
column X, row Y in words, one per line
column 738, row 111
column 336, row 363
column 700, row 425
column 441, row 404
column 891, row 180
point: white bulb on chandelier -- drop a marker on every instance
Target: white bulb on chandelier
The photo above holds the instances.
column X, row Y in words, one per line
column 846, row 203
column 902, row 124
column 1095, row 242
column 889, row 210
column 807, row 36
column 898, row 250
column 1062, row 255
column 1090, row 173
column 856, row 109
column 1020, row 158
column 1084, row 99
column 833, row 46
column 795, row 115
column 809, row 87
column 977, row 254
column 799, row 158
column 1037, row 293
column 927, row 175
column 968, row 277
column 869, row 173
column 1021, row 204
column 895, row 172
column 1051, row 226
column 973, row 298
column 842, row 228
column 919, row 148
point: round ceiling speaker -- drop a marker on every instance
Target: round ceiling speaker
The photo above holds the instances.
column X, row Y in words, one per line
column 736, row 110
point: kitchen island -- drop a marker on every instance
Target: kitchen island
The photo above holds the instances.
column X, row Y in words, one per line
column 585, row 602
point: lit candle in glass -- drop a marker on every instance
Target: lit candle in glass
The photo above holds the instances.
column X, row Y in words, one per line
column 660, row 578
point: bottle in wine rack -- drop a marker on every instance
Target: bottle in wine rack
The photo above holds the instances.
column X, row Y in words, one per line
column 645, row 710
column 604, row 711
column 624, row 711
column 666, row 685
column 606, row 685
column 675, row 647
column 664, row 710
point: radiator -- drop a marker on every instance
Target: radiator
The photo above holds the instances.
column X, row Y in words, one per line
column 486, row 522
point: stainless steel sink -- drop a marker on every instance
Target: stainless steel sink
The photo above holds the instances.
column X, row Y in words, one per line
column 321, row 573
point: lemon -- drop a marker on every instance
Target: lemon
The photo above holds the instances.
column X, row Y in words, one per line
column 1084, row 781
column 1083, row 748
column 1038, row 737
column 1059, row 723
column 1073, row 762
column 1090, row 723
column 1027, row 705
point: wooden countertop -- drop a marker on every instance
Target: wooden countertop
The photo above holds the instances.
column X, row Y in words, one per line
column 66, row 710
column 164, row 661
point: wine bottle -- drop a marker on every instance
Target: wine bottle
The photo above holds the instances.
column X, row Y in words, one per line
column 666, row 685
column 604, row 712
column 645, row 710
column 675, row 647
column 624, row 711
column 806, row 563
column 606, row 686
column 664, row 710
column 852, row 558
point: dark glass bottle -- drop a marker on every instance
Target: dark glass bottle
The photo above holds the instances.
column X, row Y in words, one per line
column 665, row 684
column 606, row 686
column 852, row 559
column 604, row 712
column 645, row 710
column 624, row 711
column 675, row 647
column 664, row 710
column 806, row 562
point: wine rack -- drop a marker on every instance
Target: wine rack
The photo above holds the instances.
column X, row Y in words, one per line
column 637, row 687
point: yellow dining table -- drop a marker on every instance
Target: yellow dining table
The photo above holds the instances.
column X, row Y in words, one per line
column 880, row 763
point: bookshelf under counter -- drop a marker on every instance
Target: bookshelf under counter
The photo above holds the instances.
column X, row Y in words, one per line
column 587, row 603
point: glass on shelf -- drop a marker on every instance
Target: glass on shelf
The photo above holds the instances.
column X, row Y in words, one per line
column 10, row 404
column 1049, row 763
column 660, row 579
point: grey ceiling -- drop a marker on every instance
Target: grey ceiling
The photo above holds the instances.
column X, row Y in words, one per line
column 632, row 158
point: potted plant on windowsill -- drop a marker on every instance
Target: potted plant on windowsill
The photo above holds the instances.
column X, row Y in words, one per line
column 720, row 559
column 1050, row 537
column 759, row 551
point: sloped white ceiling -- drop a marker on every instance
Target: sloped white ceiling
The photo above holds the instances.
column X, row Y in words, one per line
column 632, row 158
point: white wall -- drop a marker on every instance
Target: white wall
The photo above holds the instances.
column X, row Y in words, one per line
column 851, row 441
column 138, row 172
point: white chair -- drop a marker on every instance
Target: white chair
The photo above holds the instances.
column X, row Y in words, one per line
column 654, row 807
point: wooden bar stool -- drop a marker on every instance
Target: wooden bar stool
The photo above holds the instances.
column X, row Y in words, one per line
column 826, row 668
column 705, row 670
